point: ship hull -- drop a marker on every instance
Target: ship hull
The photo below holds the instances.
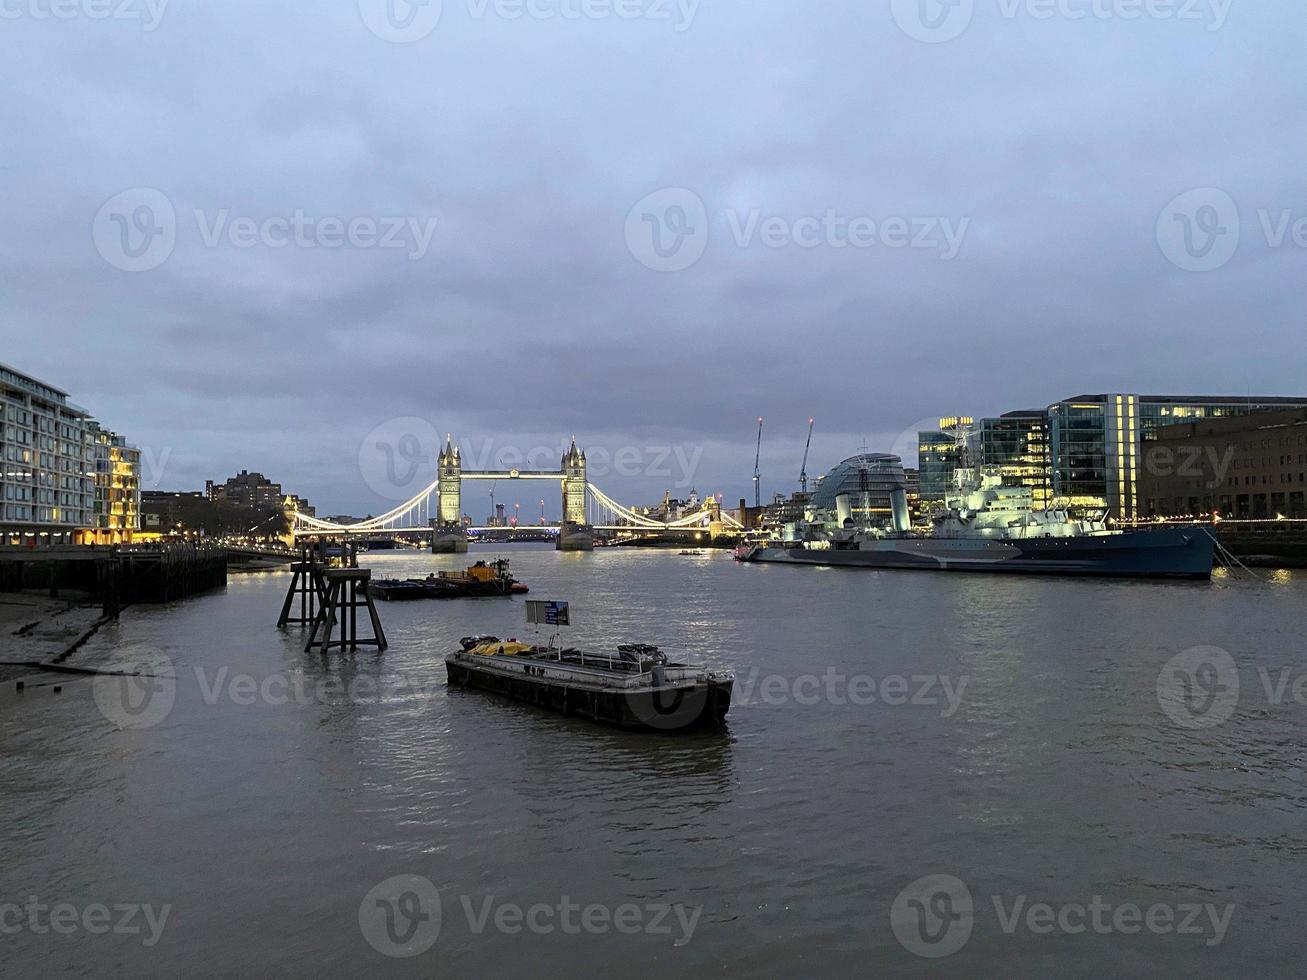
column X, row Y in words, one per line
column 696, row 704
column 1184, row 553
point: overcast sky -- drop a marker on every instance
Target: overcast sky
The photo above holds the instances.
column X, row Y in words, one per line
column 302, row 237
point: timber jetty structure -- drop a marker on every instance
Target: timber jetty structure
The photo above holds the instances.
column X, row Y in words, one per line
column 115, row 576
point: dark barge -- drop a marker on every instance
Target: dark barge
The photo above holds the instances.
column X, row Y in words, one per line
column 637, row 688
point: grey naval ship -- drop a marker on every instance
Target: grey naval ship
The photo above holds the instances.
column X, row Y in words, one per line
column 984, row 527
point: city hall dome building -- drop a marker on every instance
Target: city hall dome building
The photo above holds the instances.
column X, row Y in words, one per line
column 869, row 489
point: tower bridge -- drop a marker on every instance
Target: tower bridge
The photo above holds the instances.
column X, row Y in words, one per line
column 585, row 508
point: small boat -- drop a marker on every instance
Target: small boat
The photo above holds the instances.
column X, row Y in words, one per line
column 637, row 687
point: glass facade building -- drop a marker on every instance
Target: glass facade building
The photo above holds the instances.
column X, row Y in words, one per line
column 1095, row 441
column 1016, row 444
column 939, row 454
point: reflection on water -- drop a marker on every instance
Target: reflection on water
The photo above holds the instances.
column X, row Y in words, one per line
column 264, row 819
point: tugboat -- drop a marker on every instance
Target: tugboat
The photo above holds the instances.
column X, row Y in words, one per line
column 481, row 580
column 637, row 687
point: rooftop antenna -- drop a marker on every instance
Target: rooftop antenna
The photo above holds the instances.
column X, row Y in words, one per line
column 757, row 477
column 803, row 471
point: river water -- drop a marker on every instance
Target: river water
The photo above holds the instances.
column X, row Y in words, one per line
column 1005, row 739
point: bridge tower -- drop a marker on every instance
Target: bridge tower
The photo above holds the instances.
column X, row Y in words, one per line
column 574, row 535
column 447, row 535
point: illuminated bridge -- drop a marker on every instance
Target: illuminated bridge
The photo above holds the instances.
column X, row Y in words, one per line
column 438, row 508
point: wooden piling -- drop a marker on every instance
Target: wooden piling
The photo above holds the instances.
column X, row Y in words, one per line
column 347, row 592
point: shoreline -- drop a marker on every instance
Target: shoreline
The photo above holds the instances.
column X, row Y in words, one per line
column 39, row 631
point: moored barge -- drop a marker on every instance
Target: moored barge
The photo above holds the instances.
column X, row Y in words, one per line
column 635, row 688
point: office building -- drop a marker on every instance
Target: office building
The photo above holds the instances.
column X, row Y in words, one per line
column 939, row 454
column 1016, row 444
column 1245, row 467
column 1095, row 441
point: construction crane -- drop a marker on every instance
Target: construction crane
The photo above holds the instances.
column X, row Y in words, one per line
column 803, row 470
column 757, row 477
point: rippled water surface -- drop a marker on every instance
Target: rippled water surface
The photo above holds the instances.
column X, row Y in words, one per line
column 262, row 815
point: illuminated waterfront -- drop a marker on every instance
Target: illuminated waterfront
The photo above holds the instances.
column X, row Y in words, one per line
column 886, row 726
